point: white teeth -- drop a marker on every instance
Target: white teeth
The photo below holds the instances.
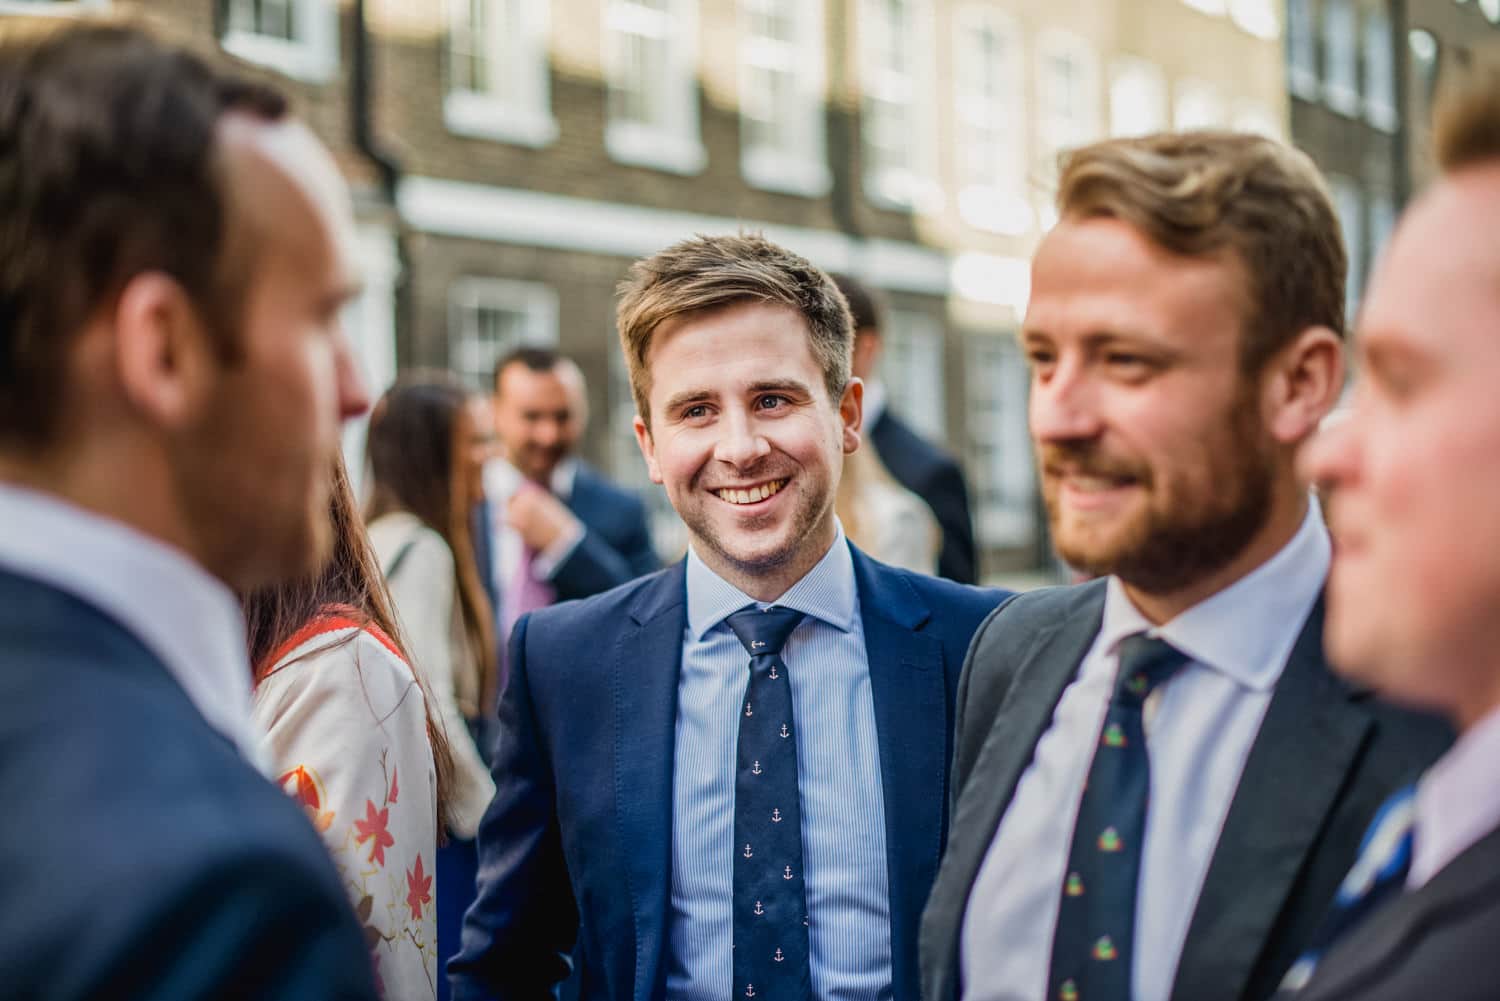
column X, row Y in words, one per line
column 1091, row 483
column 753, row 495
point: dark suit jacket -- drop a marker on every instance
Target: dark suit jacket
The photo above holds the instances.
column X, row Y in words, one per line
column 616, row 544
column 140, row 856
column 1326, row 756
column 1436, row 943
column 931, row 474
column 577, row 842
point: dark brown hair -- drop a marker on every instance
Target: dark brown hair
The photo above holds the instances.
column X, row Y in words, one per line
column 107, row 170
column 1201, row 194
column 536, row 359
column 1467, row 122
column 865, row 304
column 418, row 442
column 711, row 272
column 350, row 583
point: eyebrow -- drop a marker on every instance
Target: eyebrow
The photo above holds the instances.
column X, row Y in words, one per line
column 693, row 396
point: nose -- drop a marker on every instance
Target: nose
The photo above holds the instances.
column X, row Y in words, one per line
column 740, row 445
column 1063, row 404
column 354, row 392
column 1330, row 459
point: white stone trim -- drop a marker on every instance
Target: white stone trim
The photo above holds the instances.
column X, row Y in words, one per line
column 313, row 57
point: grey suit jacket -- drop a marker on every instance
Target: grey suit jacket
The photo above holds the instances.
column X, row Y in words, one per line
column 1437, row 942
column 1326, row 756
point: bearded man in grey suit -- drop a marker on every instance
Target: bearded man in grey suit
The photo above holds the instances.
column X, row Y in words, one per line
column 1158, row 785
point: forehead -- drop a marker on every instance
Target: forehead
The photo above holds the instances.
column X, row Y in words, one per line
column 727, row 348
column 1437, row 287
column 283, row 185
column 526, row 386
column 1102, row 275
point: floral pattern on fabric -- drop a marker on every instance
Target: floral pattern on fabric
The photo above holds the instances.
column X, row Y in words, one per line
column 347, row 731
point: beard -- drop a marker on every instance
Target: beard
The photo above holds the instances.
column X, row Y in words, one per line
column 1185, row 533
column 811, row 509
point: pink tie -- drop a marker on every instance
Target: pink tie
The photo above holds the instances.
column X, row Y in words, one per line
column 525, row 594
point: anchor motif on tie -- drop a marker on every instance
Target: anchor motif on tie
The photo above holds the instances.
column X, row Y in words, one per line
column 749, row 990
column 773, row 675
column 747, row 708
column 785, row 732
column 755, row 769
column 779, row 956
column 748, row 852
column 759, row 910
column 776, row 815
column 757, row 644
column 787, row 873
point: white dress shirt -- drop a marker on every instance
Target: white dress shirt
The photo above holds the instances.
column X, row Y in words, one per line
column 1200, row 726
column 1457, row 801
column 188, row 618
column 501, row 480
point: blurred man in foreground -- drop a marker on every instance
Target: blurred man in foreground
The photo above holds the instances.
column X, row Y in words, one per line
column 1413, row 476
column 174, row 255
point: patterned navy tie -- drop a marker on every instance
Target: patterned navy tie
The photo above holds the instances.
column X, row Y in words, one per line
column 770, row 896
column 1095, row 939
column 1379, row 874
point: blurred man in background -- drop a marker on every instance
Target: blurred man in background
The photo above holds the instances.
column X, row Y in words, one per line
column 1413, row 477
column 175, row 254
column 917, row 464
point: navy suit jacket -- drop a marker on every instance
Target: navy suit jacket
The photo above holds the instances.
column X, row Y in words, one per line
column 616, row 545
column 933, row 475
column 141, row 856
column 576, row 845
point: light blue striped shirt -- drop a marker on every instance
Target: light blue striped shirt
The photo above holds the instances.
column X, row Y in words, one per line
column 838, row 768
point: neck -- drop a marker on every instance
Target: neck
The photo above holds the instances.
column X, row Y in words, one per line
column 1288, row 510
column 767, row 584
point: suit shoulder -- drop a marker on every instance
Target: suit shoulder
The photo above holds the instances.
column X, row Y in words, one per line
column 600, row 610
column 950, row 597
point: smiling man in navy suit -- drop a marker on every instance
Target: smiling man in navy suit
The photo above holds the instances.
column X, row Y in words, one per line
column 727, row 779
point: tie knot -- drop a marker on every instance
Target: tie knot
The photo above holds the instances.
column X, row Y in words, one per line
column 1145, row 662
column 764, row 633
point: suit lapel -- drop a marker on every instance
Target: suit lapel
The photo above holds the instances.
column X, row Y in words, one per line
column 1307, row 744
column 1386, row 938
column 1037, row 682
column 911, row 710
column 647, row 663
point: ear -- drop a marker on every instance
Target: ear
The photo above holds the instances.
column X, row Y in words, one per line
column 163, row 355
column 648, row 448
column 852, row 412
column 1302, row 383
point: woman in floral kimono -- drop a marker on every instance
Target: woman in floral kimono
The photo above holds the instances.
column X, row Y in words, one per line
column 351, row 735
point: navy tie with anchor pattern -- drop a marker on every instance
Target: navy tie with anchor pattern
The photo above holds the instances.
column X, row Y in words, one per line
column 770, row 894
column 1094, row 944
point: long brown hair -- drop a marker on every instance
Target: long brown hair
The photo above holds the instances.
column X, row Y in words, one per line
column 349, row 580
column 418, row 445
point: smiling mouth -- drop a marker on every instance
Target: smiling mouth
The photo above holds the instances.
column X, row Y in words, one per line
column 750, row 495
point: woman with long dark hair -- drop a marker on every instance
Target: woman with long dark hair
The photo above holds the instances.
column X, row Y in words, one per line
column 426, row 481
column 352, row 738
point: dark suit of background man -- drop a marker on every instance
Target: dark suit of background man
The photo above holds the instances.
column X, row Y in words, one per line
column 917, row 464
column 557, row 529
column 699, row 831
column 1159, row 783
column 1412, row 612
column 172, row 381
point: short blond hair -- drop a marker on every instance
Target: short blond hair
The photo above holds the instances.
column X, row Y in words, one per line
column 707, row 273
column 1210, row 193
column 1466, row 129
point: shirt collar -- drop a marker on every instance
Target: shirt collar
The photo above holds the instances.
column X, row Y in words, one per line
column 1240, row 631
column 826, row 592
column 1456, row 801
column 501, row 479
column 875, row 402
column 188, row 618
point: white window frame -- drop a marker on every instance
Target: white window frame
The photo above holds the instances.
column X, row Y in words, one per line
column 1491, row 10
column 1143, row 84
column 1052, row 134
column 1340, row 42
column 1213, row 8
column 1252, row 116
column 996, row 376
column 1198, row 104
column 525, row 119
column 1302, row 42
column 1379, row 46
column 911, row 368
column 312, row 55
column 370, row 322
column 1257, row 18
column 536, row 301
column 992, row 199
column 54, row 8
column 675, row 145
column 910, row 184
column 799, row 165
